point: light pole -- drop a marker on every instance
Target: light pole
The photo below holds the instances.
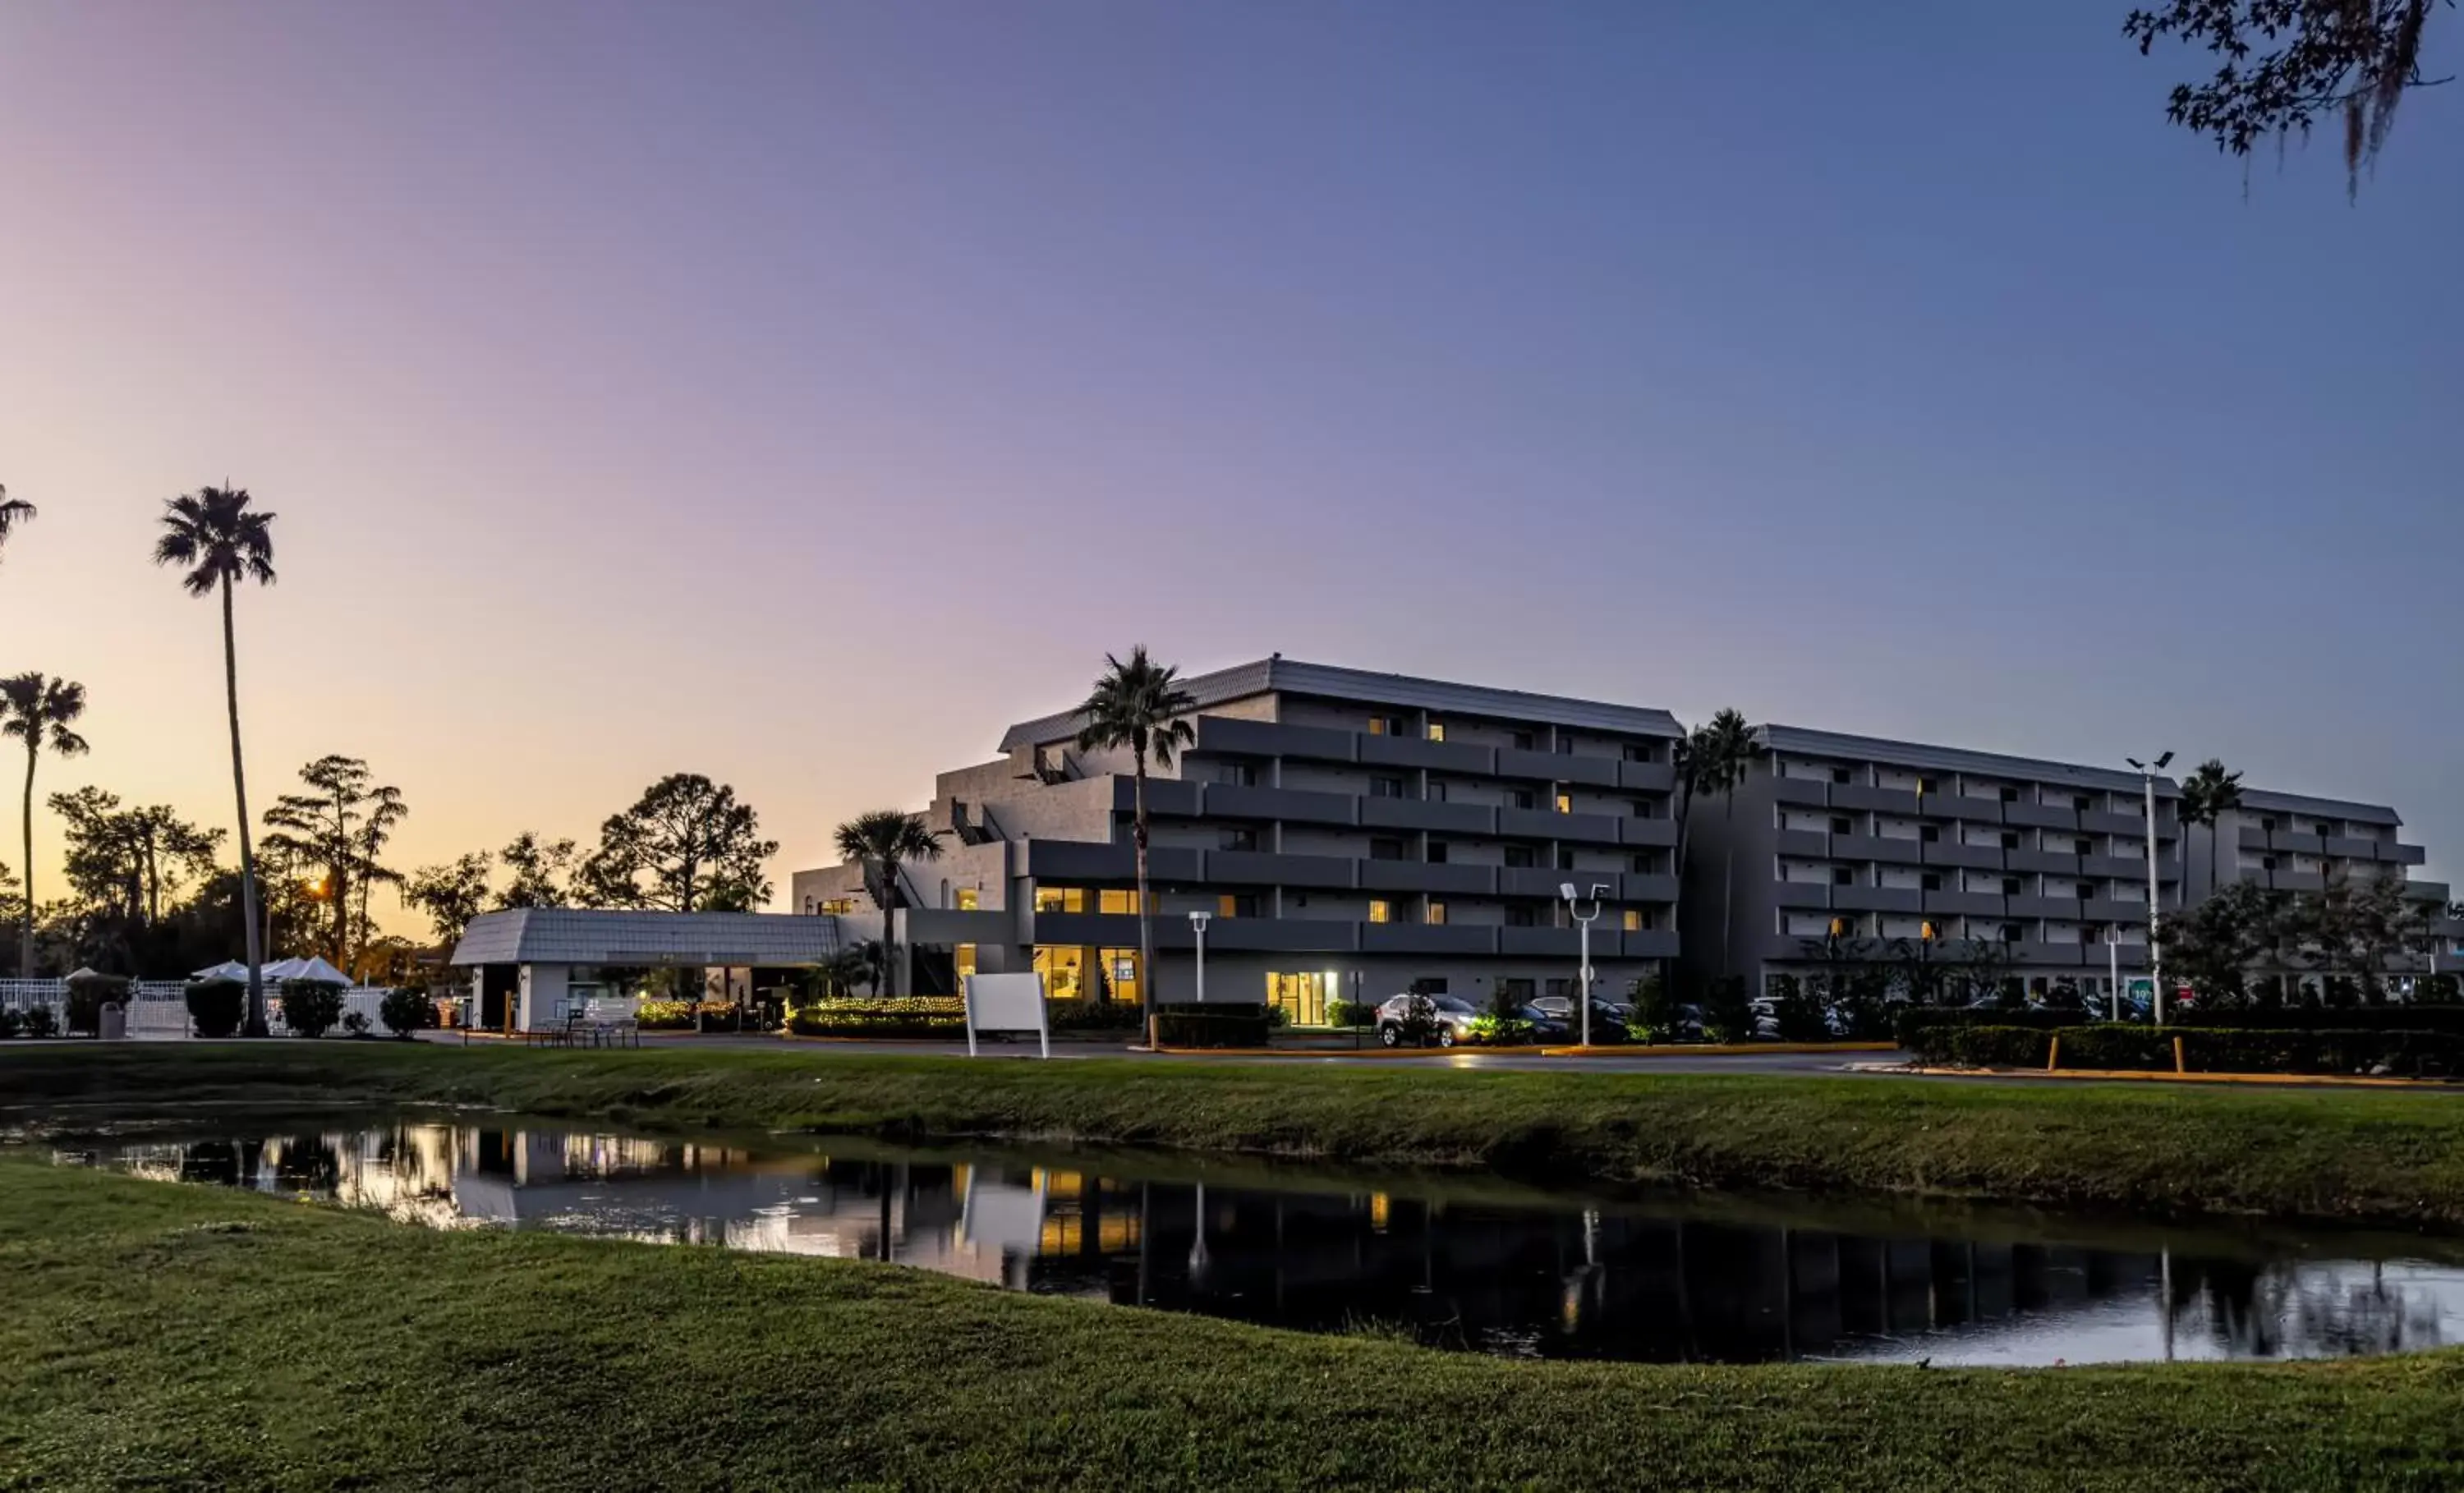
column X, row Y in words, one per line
column 1197, row 922
column 2147, row 772
column 1583, row 991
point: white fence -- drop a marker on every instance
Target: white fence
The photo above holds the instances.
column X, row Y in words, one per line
column 159, row 1007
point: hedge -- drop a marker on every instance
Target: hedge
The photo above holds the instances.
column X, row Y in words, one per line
column 217, row 1006
column 1911, row 1021
column 2131, row 1049
column 87, row 995
column 1214, row 1024
column 896, row 1016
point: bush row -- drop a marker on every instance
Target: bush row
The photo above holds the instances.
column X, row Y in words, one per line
column 2204, row 1049
column 1913, row 1020
column 1214, row 1024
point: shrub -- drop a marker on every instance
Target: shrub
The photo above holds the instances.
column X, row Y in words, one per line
column 1658, row 1015
column 356, row 1023
column 1093, row 1015
column 664, row 1015
column 2127, row 1049
column 11, row 1023
column 1728, row 1016
column 898, row 1016
column 310, row 1007
column 406, row 1010
column 217, row 1006
column 2439, row 990
column 1490, row 1029
column 39, row 1022
column 1912, row 1022
column 1797, row 1015
column 1351, row 1014
column 87, row 995
column 1214, row 1024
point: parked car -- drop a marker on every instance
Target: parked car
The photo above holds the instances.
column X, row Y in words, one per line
column 1445, row 1020
column 1545, row 1027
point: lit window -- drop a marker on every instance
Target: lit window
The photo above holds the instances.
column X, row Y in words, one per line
column 1437, row 911
column 1437, row 730
column 969, row 899
column 1386, row 725
column 1634, row 920
column 1565, row 804
column 963, row 959
column 1380, row 910
column 1237, row 904
column 1060, row 899
column 1116, row 902
column 837, row 906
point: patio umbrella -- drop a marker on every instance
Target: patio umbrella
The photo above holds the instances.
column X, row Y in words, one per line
column 229, row 969
column 314, row 968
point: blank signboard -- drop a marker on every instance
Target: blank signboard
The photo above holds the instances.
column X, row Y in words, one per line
column 1006, row 1003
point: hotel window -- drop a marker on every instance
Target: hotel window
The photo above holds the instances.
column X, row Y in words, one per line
column 1638, row 753
column 1237, row 774
column 1384, row 848
column 1926, row 785
column 1386, row 725
column 1380, row 910
column 836, row 906
column 1523, row 741
column 808, row 907
column 1565, row 744
column 1520, row 916
column 1565, row 804
column 1437, row 730
column 1633, row 920
column 2010, row 933
column 1930, row 881
column 1844, row 876
column 2010, row 840
column 1437, row 793
column 1930, row 834
column 1839, row 775
column 1565, row 859
column 1518, row 855
column 1639, row 808
column 2010, row 886
column 963, row 959
column 2080, row 803
column 2009, row 794
column 1237, row 904
column 1641, row 864
column 1437, row 852
column 1385, row 786
column 1842, row 825
column 1116, row 902
column 1437, row 911
column 1060, row 899
column 1520, row 799
column 1243, row 839
column 969, row 899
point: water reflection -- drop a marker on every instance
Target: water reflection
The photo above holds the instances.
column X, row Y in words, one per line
column 1702, row 1281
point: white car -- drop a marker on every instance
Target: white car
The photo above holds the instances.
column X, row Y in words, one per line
column 1448, row 1019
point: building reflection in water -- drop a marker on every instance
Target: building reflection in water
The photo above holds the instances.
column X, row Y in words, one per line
column 1644, row 1282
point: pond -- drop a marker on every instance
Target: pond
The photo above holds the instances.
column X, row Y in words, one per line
column 1444, row 1260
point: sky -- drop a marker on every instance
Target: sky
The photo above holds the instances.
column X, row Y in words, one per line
column 799, row 393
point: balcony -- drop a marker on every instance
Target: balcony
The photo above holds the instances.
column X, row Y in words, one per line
column 2054, row 862
column 2119, row 867
column 2040, row 816
column 2102, row 822
column 1166, row 797
column 1878, row 899
column 1808, row 845
column 1100, row 929
column 1267, row 868
column 2436, row 891
column 1660, row 832
column 1075, row 862
column 1235, row 736
column 1539, row 881
column 1549, row 942
column 2352, row 849
column 1803, row 792
column 1430, row 814
column 2403, row 854
column 2113, row 909
column 2029, row 904
column 1964, row 904
column 2033, row 952
column 1542, row 825
column 1878, row 847
column 1813, row 895
column 1651, row 943
column 1271, row 935
column 1223, row 801
column 1648, row 776
column 2253, row 838
column 2284, row 843
column 1974, row 857
column 1863, row 798
column 2298, row 881
column 1639, row 887
column 1427, row 939
column 1441, row 877
column 1961, row 806
column 1443, row 756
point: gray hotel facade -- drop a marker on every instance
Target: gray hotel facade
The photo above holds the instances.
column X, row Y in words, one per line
column 1354, row 834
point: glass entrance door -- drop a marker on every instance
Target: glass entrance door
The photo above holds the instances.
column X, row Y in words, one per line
column 1301, row 998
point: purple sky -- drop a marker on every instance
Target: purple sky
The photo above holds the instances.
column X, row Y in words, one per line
column 801, row 392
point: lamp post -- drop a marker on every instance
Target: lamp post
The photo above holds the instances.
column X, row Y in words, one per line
column 1197, row 922
column 1583, row 991
column 2147, row 772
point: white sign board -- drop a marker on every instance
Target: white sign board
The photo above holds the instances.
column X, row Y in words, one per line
column 1006, row 1003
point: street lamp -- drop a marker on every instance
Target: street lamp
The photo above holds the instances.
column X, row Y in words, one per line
column 2147, row 772
column 1198, row 921
column 1583, row 993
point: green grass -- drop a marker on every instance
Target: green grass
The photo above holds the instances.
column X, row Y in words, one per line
column 160, row 1335
column 2371, row 1154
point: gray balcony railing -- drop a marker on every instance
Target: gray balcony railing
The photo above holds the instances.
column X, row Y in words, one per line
column 1445, row 757
column 1266, row 868
column 1444, row 877
column 1863, row 798
column 1437, row 815
column 2040, row 816
column 1225, row 801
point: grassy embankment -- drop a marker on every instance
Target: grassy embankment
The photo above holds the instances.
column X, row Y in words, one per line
column 171, row 1336
column 2387, row 1157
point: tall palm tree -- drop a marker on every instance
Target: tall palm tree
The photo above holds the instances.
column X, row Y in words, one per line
column 883, row 842
column 221, row 541
column 13, row 511
column 2208, row 796
column 1715, row 760
column 38, row 711
column 1139, row 705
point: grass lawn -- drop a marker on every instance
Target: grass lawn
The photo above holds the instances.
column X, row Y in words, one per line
column 2387, row 1157
column 160, row 1335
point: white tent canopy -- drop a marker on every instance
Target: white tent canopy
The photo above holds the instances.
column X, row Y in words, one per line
column 312, row 968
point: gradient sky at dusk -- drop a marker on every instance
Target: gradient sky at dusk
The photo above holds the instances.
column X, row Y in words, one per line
column 799, row 393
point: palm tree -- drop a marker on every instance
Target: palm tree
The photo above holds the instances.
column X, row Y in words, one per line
column 2208, row 796
column 1139, row 705
column 1714, row 761
column 215, row 536
column 13, row 511
column 883, row 842
column 38, row 711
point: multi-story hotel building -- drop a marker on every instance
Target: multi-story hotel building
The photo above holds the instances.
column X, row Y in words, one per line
column 1866, row 848
column 2287, row 842
column 1349, row 834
